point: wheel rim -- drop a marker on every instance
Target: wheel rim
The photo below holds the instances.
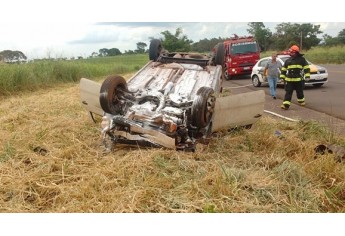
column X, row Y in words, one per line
column 226, row 74
column 211, row 101
column 203, row 107
column 255, row 81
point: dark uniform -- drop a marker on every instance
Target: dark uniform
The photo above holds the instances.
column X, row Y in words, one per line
column 294, row 71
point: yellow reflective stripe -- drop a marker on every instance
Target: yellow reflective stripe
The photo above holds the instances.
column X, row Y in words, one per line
column 286, row 103
column 283, row 69
column 300, row 100
column 295, row 66
column 282, row 76
column 306, row 67
column 307, row 74
column 293, row 79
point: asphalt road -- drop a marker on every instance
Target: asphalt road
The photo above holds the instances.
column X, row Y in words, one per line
column 328, row 99
column 325, row 104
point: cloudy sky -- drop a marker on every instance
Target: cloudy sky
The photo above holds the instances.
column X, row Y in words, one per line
column 71, row 29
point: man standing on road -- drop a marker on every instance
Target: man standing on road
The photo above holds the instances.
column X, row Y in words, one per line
column 272, row 70
column 294, row 71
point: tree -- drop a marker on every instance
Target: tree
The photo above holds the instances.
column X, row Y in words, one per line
column 206, row 45
column 141, row 47
column 304, row 35
column 329, row 40
column 114, row 52
column 129, row 52
column 103, row 52
column 308, row 35
column 341, row 36
column 262, row 35
column 12, row 56
column 176, row 42
column 94, row 54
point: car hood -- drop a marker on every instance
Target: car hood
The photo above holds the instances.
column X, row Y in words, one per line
column 316, row 68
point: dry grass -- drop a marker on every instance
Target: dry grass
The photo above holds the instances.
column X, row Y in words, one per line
column 51, row 161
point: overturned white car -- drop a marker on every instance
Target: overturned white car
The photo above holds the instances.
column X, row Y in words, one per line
column 174, row 101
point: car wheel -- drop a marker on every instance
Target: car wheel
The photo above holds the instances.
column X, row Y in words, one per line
column 317, row 85
column 256, row 81
column 109, row 92
column 203, row 107
column 155, row 49
column 219, row 57
column 226, row 74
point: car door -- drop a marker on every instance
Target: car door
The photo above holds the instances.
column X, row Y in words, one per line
column 238, row 110
column 261, row 68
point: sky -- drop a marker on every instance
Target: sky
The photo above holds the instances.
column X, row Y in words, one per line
column 69, row 29
column 73, row 39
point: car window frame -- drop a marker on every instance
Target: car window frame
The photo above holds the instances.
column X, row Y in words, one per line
column 263, row 62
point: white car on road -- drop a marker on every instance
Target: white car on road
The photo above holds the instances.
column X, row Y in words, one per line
column 318, row 74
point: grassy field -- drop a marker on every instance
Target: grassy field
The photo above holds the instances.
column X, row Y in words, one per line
column 321, row 55
column 51, row 160
column 16, row 78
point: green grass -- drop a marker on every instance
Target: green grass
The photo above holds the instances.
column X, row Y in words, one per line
column 40, row 74
column 321, row 55
column 16, row 78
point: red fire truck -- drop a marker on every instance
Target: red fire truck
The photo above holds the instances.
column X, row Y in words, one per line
column 241, row 54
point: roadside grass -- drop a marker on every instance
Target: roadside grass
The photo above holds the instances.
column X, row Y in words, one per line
column 321, row 55
column 51, row 160
column 16, row 78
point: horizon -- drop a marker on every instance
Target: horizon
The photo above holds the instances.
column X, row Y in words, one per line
column 73, row 39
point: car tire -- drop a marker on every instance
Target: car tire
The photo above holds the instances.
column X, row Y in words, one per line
column 226, row 74
column 108, row 97
column 203, row 107
column 219, row 56
column 256, row 81
column 155, row 49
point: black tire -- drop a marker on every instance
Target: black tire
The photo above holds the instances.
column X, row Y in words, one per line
column 226, row 74
column 155, row 49
column 256, row 81
column 108, row 95
column 219, row 56
column 203, row 107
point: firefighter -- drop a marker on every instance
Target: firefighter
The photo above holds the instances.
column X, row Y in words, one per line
column 294, row 71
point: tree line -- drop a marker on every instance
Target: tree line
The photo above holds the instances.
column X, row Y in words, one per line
column 305, row 35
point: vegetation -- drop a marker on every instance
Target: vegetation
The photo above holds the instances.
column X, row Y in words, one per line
column 176, row 42
column 51, row 160
column 16, row 78
column 305, row 35
column 321, row 55
column 10, row 56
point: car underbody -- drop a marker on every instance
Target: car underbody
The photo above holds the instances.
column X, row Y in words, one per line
column 174, row 101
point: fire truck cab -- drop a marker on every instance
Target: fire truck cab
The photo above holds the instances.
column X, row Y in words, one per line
column 241, row 54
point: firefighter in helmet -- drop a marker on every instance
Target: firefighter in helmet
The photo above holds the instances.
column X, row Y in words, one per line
column 294, row 71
